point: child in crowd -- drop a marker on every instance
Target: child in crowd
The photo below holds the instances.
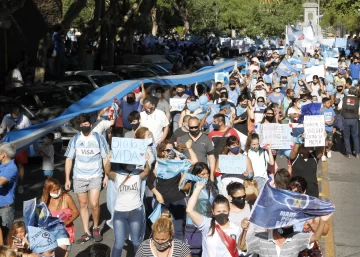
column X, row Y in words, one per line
column 329, row 116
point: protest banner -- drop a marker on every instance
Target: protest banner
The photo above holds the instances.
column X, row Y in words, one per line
column 315, row 70
column 277, row 135
column 328, row 42
column 331, row 62
column 232, row 164
column 340, row 42
column 128, row 150
column 177, row 104
column 287, row 208
column 220, row 76
column 314, row 130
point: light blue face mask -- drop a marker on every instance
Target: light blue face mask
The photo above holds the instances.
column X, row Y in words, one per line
column 346, row 91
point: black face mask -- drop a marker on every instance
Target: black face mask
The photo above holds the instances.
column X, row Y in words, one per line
column 130, row 100
column 194, row 133
column 283, row 82
column 232, row 88
column 222, row 218
column 135, row 126
column 180, row 94
column 269, row 118
column 285, row 232
column 85, row 130
column 238, row 202
column 339, row 90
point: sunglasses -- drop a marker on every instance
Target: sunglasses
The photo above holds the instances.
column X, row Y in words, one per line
column 269, row 114
column 195, row 127
column 240, row 197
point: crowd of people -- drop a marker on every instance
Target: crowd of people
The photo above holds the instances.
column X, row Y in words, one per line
column 179, row 203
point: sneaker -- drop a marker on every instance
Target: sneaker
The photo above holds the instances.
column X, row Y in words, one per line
column 84, row 238
column 328, row 154
column 110, row 223
column 348, row 156
column 358, row 156
column 96, row 235
column 323, row 158
column 20, row 190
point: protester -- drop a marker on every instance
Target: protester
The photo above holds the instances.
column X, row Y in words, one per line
column 183, row 130
column 285, row 105
column 8, row 180
column 155, row 120
column 134, row 120
column 329, row 117
column 16, row 238
column 294, row 110
column 220, row 237
column 47, row 152
column 282, row 179
column 276, row 96
column 61, row 205
column 162, row 104
column 99, row 250
column 243, row 113
column 58, row 52
column 11, row 122
column 162, row 242
column 180, row 94
column 187, row 111
column 90, row 151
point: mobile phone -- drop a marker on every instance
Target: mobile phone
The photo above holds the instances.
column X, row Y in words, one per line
column 17, row 240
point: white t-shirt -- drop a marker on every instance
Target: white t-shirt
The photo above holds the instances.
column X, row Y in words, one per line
column 8, row 122
column 128, row 194
column 102, row 126
column 259, row 163
column 213, row 245
column 48, row 159
column 16, row 74
column 155, row 122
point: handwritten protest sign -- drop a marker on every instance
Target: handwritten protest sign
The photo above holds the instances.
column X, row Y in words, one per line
column 177, row 104
column 128, row 150
column 340, row 42
column 331, row 62
column 315, row 70
column 220, row 76
column 278, row 135
column 232, row 164
column 314, row 130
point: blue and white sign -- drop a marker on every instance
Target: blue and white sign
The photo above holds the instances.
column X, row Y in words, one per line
column 128, row 150
column 232, row 164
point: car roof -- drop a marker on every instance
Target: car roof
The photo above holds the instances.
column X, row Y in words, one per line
column 72, row 83
column 88, row 73
column 39, row 88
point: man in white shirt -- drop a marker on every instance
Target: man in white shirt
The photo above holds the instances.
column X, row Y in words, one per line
column 155, row 120
column 15, row 121
column 16, row 79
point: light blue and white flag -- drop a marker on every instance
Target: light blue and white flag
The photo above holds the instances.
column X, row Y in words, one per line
column 285, row 68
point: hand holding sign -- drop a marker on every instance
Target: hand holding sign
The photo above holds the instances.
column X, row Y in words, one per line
column 128, row 150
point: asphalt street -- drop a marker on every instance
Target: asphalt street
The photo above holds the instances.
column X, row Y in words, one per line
column 339, row 179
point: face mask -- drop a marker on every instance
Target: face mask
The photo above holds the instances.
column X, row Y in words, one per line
column 299, row 105
column 269, row 118
column 238, row 202
column 55, row 195
column 243, row 105
column 222, row 218
column 284, row 232
column 158, row 95
column 206, row 179
column 135, row 126
column 232, row 88
column 149, row 111
column 254, row 76
column 283, row 82
column 170, row 155
column 261, row 104
column 346, row 91
column 85, row 130
column 180, row 93
column 15, row 119
column 339, row 90
column 162, row 246
column 130, row 100
column 255, row 148
column 277, row 90
column 194, row 133
column 291, row 97
column 216, row 126
column 235, row 150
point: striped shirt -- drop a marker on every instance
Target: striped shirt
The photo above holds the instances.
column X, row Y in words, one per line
column 179, row 249
column 264, row 244
column 89, row 155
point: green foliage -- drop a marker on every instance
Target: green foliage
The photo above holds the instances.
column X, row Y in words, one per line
column 344, row 12
column 85, row 15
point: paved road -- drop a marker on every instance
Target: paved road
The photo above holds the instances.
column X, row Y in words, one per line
column 339, row 179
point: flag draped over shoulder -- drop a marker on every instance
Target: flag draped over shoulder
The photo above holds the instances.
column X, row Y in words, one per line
column 167, row 169
column 276, row 208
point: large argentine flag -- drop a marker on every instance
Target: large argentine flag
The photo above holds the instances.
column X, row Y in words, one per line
column 103, row 97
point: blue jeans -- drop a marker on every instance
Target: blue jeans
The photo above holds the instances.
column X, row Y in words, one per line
column 351, row 129
column 123, row 220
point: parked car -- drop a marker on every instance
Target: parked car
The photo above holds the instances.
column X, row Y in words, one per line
column 76, row 90
column 128, row 72
column 141, row 59
column 96, row 78
column 158, row 69
column 6, row 105
column 46, row 102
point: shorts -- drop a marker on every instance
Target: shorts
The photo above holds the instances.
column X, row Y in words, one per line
column 83, row 185
column 329, row 135
column 22, row 157
column 48, row 173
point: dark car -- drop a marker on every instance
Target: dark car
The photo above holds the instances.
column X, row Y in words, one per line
column 46, row 102
column 128, row 72
column 6, row 105
column 96, row 78
column 127, row 59
column 76, row 90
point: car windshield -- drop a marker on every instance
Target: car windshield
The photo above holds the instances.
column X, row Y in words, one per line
column 54, row 99
column 136, row 74
column 77, row 92
column 103, row 80
column 155, row 59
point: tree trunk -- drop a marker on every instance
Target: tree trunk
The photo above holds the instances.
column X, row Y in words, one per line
column 182, row 8
column 111, row 45
column 41, row 66
column 186, row 26
column 103, row 32
column 154, row 22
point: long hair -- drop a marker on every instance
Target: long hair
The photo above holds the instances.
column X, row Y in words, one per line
column 231, row 140
column 210, row 186
column 219, row 199
column 192, row 99
column 16, row 225
column 292, row 104
column 268, row 109
column 250, row 138
column 162, row 146
column 140, row 133
column 282, row 179
column 49, row 185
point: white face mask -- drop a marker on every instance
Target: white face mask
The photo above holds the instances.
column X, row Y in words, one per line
column 56, row 195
